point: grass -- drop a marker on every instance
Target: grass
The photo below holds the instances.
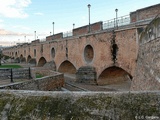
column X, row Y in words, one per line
column 10, row 66
column 39, row 75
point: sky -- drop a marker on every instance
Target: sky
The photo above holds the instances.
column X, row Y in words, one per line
column 19, row 19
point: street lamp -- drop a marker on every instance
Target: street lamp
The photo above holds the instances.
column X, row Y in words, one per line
column 89, row 17
column 53, row 28
column 35, row 34
column 116, row 17
column 25, row 38
column 73, row 25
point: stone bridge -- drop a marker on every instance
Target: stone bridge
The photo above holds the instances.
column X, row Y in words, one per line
column 101, row 56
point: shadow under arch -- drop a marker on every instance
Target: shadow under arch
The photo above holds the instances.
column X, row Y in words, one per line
column 29, row 58
column 50, row 65
column 17, row 60
column 67, row 67
column 21, row 56
column 42, row 61
column 114, row 75
column 16, row 54
column 32, row 62
column 22, row 59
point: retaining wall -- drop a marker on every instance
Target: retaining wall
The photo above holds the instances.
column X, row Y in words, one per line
column 18, row 73
column 147, row 75
column 16, row 105
column 47, row 83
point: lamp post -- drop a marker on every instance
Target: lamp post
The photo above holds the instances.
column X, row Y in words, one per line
column 116, row 17
column 35, row 34
column 89, row 6
column 73, row 25
column 53, row 28
column 25, row 38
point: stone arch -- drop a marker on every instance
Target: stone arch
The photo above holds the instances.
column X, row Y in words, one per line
column 113, row 75
column 22, row 59
column 29, row 58
column 42, row 61
column 32, row 62
column 21, row 56
column 67, row 67
column 88, row 53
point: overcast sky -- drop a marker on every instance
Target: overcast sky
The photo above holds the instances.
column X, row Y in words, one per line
column 19, row 18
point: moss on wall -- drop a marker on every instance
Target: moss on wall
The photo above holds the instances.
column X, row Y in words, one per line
column 16, row 105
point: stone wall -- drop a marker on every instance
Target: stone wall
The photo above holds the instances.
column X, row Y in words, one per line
column 47, row 83
column 40, row 105
column 147, row 76
column 86, row 74
column 20, row 73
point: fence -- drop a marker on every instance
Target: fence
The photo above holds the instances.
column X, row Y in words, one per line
column 9, row 73
column 120, row 21
column 67, row 34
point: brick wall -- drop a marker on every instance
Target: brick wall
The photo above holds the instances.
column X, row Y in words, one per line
column 36, row 41
column 85, row 29
column 55, row 36
column 145, row 13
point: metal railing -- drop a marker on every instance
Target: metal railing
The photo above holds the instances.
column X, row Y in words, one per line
column 109, row 24
column 42, row 40
column 120, row 21
column 67, row 34
column 11, row 73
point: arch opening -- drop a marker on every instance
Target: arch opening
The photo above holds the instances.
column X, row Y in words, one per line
column 42, row 61
column 23, row 60
column 114, row 75
column 32, row 62
column 28, row 58
column 88, row 53
column 50, row 65
column 17, row 60
column 67, row 67
column 16, row 54
column 53, row 52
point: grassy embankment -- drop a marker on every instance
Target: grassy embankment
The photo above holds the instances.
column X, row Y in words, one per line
column 10, row 66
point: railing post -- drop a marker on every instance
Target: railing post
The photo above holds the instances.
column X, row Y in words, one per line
column 29, row 69
column 11, row 76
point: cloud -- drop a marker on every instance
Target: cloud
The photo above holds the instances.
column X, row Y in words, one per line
column 6, row 32
column 1, row 20
column 38, row 13
column 14, row 8
column 1, row 23
column 21, row 27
